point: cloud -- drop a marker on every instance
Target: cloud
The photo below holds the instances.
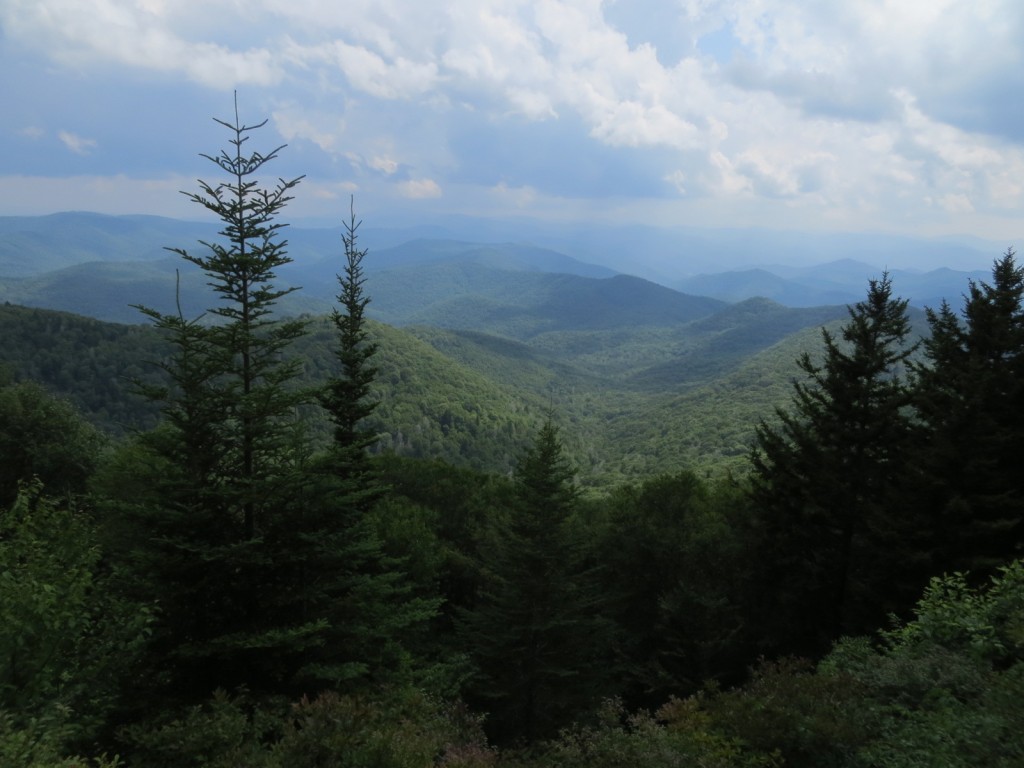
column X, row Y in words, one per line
column 377, row 76
column 517, row 197
column 383, row 164
column 76, row 144
column 140, row 35
column 419, row 189
column 956, row 203
column 323, row 131
column 868, row 113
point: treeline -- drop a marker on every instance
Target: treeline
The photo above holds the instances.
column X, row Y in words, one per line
column 232, row 588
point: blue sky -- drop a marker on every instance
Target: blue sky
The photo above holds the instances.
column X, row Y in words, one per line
column 902, row 116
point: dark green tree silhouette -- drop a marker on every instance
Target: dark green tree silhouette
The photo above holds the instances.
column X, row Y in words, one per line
column 374, row 614
column 347, row 396
column 825, row 476
column 225, row 461
column 537, row 635
column 969, row 396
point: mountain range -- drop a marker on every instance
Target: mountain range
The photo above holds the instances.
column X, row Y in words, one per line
column 100, row 265
column 478, row 340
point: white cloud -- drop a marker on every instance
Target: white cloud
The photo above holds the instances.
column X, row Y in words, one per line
column 419, row 189
column 383, row 164
column 323, row 130
column 136, row 35
column 517, row 197
column 956, row 203
column 77, row 144
column 841, row 110
column 329, row 192
column 386, row 79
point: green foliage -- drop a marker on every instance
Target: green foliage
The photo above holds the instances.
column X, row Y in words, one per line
column 346, row 397
column 213, row 542
column 825, row 481
column 969, row 396
column 678, row 614
column 399, row 728
column 676, row 736
column 468, row 398
column 988, row 624
column 376, row 614
column 405, row 730
column 941, row 689
column 536, row 635
column 789, row 710
column 43, row 437
column 945, row 688
column 88, row 362
column 67, row 640
column 443, row 522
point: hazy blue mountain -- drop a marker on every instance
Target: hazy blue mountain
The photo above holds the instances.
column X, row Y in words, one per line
column 451, row 293
column 837, row 282
column 524, row 304
column 441, row 279
column 317, row 276
column 509, row 256
column 668, row 254
column 109, row 290
column 749, row 283
column 662, row 254
column 35, row 245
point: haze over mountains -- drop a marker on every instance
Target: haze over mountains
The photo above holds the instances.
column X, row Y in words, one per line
column 98, row 265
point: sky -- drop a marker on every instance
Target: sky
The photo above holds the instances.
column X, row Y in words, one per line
column 894, row 116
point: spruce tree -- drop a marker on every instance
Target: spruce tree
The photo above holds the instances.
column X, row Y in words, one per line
column 825, row 476
column 373, row 614
column 347, row 396
column 536, row 636
column 225, row 460
column 969, row 397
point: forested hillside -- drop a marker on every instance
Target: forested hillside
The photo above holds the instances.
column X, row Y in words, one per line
column 600, row 523
column 640, row 400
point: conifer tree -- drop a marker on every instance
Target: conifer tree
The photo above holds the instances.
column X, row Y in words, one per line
column 346, row 398
column 824, row 479
column 372, row 613
column 537, row 636
column 225, row 459
column 969, row 396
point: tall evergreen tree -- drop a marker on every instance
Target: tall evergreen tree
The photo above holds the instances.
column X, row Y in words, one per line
column 224, row 461
column 347, row 396
column 373, row 614
column 537, row 636
column 824, row 479
column 969, row 396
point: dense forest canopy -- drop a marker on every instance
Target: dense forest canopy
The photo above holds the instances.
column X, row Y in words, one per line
column 303, row 540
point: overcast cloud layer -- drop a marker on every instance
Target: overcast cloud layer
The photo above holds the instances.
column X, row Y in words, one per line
column 849, row 115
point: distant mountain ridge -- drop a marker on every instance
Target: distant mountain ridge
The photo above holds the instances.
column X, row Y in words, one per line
column 838, row 282
column 98, row 265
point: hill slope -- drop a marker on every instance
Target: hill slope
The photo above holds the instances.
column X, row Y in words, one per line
column 467, row 397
